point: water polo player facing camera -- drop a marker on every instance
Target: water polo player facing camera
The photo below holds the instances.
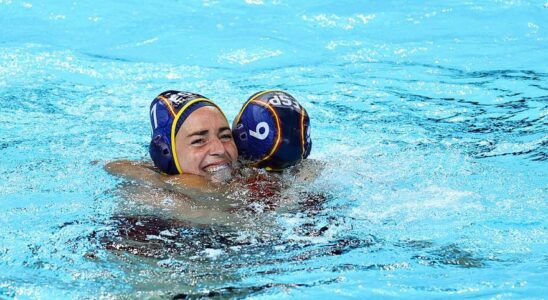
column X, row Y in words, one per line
column 203, row 146
column 191, row 141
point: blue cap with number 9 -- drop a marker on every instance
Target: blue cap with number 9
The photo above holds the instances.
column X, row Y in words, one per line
column 272, row 131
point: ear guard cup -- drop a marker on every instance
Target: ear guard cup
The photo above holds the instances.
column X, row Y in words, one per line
column 160, row 152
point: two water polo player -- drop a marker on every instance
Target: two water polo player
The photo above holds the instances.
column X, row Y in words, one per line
column 191, row 139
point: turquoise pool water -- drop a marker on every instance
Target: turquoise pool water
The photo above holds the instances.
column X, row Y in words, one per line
column 431, row 117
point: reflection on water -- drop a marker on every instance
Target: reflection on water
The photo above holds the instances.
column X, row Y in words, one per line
column 183, row 260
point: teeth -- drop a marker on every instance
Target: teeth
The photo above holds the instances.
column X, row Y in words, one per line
column 216, row 168
column 219, row 173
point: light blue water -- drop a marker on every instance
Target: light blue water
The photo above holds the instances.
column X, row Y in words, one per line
column 431, row 116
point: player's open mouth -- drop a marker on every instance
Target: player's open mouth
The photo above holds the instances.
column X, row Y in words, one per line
column 216, row 168
column 221, row 172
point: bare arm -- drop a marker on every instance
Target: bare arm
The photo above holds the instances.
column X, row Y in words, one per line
column 193, row 186
column 194, row 198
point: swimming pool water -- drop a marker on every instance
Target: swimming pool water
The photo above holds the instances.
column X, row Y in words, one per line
column 431, row 117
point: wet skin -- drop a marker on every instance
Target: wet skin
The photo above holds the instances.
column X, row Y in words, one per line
column 205, row 146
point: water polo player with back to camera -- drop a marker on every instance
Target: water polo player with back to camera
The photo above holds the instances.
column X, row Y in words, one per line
column 192, row 142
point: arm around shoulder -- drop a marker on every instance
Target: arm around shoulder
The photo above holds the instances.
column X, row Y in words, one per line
column 190, row 185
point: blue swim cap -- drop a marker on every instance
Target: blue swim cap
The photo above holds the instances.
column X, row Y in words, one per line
column 168, row 111
column 272, row 131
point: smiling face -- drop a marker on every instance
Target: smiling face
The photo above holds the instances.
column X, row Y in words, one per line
column 205, row 146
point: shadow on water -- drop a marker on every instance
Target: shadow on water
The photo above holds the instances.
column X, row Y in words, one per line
column 191, row 261
column 159, row 238
column 185, row 260
column 202, row 262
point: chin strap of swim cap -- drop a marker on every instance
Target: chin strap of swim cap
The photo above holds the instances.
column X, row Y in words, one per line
column 168, row 111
